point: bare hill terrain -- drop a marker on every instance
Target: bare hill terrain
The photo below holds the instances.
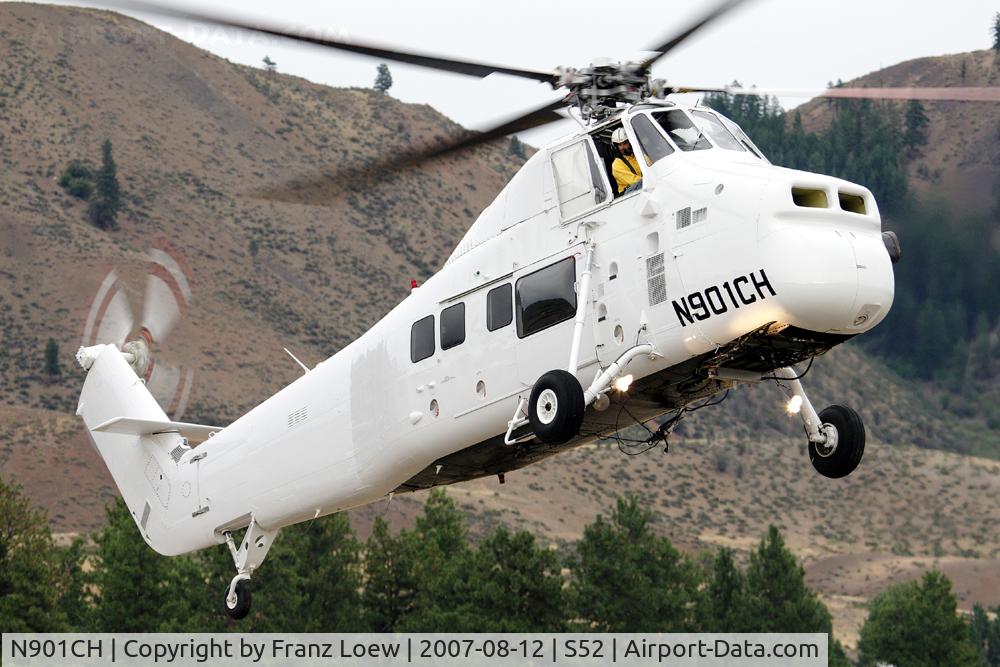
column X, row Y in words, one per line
column 195, row 137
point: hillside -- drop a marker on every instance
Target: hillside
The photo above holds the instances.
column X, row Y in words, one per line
column 196, row 136
column 961, row 161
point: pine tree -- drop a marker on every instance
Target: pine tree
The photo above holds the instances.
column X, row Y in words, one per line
column 991, row 643
column 383, row 78
column 332, row 598
column 52, row 367
column 516, row 147
column 626, row 579
column 106, row 202
column 996, row 32
column 441, row 525
column 916, row 624
column 727, row 600
column 779, row 598
column 389, row 578
column 518, row 586
column 135, row 589
column 984, row 635
column 915, row 133
column 269, row 65
column 443, row 569
column 32, row 588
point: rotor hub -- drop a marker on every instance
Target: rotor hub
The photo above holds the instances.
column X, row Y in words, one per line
column 600, row 89
column 137, row 354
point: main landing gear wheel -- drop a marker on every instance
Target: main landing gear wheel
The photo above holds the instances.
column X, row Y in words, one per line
column 238, row 599
column 845, row 444
column 556, row 406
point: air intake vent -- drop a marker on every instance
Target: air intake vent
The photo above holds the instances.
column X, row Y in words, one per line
column 177, row 452
column 810, row 198
column 145, row 515
column 656, row 281
column 699, row 215
column 297, row 417
column 684, row 218
column 852, row 203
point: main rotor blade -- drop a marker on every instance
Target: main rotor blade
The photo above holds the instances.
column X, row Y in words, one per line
column 674, row 41
column 956, row 94
column 468, row 67
column 354, row 176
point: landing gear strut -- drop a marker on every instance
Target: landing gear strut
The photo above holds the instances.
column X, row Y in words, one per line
column 247, row 558
column 836, row 435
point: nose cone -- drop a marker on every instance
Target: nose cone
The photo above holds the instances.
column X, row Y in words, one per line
column 814, row 275
column 828, row 265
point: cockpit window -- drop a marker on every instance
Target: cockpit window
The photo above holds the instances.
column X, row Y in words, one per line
column 744, row 139
column 654, row 146
column 682, row 130
column 713, row 127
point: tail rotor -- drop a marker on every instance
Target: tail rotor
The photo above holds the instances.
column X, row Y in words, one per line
column 111, row 321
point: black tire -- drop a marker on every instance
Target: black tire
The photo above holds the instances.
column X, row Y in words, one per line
column 242, row 607
column 556, row 407
column 850, row 443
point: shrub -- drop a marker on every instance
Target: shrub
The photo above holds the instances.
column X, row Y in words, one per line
column 81, row 188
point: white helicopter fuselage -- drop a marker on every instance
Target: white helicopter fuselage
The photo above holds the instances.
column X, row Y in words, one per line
column 717, row 245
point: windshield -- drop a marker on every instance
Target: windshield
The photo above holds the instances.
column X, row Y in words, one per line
column 717, row 132
column 653, row 145
column 682, row 130
column 742, row 136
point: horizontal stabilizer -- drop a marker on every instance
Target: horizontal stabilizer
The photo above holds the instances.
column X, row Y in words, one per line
column 128, row 426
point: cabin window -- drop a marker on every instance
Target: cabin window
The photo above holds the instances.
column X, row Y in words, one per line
column 579, row 184
column 546, row 297
column 682, row 130
column 652, row 144
column 499, row 307
column 422, row 339
column 716, row 131
column 453, row 326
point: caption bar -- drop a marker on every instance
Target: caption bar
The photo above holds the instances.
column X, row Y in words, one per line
column 231, row 650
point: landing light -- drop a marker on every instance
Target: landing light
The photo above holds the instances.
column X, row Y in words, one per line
column 623, row 383
column 794, row 405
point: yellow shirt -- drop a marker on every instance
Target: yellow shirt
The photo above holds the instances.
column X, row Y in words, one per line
column 623, row 175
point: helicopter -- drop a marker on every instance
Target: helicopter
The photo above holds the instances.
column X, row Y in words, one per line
column 568, row 297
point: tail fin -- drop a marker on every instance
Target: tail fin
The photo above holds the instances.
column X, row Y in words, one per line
column 147, row 454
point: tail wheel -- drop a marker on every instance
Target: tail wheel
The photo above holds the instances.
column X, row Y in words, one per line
column 845, row 445
column 556, row 407
column 238, row 601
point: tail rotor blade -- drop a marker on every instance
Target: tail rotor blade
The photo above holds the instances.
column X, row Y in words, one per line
column 110, row 319
column 167, row 293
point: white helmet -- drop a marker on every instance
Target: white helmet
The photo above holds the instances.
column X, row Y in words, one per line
column 619, row 136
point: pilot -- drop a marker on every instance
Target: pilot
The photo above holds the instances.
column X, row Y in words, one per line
column 625, row 168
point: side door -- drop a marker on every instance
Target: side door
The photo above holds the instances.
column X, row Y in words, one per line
column 545, row 302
